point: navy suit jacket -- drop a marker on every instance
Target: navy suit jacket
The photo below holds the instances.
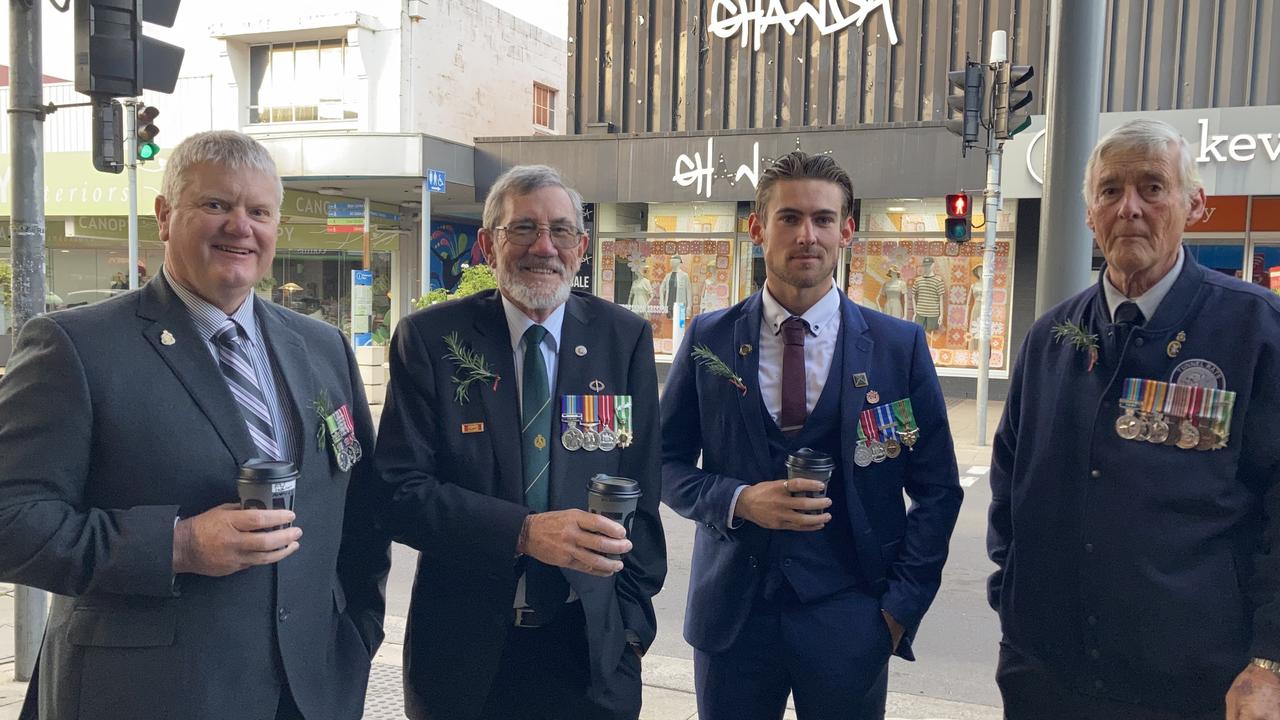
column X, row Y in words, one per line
column 901, row 553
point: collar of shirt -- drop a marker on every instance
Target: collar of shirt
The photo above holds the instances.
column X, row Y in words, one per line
column 209, row 319
column 822, row 316
column 518, row 323
column 1149, row 300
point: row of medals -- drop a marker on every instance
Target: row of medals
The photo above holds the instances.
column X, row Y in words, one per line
column 874, row 451
column 1152, row 427
column 606, row 438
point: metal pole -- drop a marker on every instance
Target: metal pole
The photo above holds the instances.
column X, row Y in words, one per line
column 1074, row 91
column 424, row 252
column 131, row 163
column 990, row 211
column 26, row 143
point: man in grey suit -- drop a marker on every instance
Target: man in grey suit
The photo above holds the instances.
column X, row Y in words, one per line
column 122, row 428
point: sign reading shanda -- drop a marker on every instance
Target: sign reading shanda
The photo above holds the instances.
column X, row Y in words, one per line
column 750, row 18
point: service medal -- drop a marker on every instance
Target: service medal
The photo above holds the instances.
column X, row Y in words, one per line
column 878, row 452
column 862, row 455
column 608, row 439
column 590, row 439
column 572, row 438
column 892, row 447
column 1158, row 431
column 1189, row 436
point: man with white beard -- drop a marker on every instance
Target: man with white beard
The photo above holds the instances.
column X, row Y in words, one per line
column 502, row 407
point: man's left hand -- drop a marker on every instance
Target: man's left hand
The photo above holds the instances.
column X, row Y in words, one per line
column 1255, row 695
column 896, row 631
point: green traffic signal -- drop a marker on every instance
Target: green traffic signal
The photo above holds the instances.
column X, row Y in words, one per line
column 958, row 229
column 148, row 151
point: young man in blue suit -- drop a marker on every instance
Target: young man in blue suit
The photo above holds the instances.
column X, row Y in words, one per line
column 806, row 595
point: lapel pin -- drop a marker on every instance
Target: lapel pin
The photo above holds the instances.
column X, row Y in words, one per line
column 468, row 428
column 859, row 379
column 580, row 351
column 873, row 397
column 596, row 385
column 744, row 349
column 1175, row 346
column 166, row 338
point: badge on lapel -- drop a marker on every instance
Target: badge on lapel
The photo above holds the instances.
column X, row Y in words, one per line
column 340, row 428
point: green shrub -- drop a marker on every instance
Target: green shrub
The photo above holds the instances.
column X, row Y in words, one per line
column 476, row 278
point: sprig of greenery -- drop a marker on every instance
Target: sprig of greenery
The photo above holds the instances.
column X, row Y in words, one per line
column 472, row 367
column 1079, row 337
column 718, row 367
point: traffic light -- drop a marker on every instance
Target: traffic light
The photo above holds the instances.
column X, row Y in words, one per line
column 1012, row 96
column 147, row 131
column 108, row 135
column 968, row 102
column 114, row 58
column 958, row 213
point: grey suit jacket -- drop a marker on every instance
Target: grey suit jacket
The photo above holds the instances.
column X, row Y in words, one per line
column 107, row 434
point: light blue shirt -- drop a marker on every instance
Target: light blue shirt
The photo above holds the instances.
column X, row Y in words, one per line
column 208, row 321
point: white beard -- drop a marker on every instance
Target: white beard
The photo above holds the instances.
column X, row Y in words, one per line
column 532, row 298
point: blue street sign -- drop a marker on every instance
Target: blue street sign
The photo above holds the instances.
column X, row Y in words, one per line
column 435, row 180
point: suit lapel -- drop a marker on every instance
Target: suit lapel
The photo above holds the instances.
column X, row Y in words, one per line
column 168, row 328
column 492, row 340
column 746, row 331
column 294, row 363
column 572, row 372
column 857, row 348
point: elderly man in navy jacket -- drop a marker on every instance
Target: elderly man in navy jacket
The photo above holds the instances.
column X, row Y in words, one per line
column 801, row 594
column 1135, row 509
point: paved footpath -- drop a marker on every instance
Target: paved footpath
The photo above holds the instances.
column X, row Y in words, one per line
column 668, row 692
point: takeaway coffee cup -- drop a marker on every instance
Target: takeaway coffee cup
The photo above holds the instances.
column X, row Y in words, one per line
column 813, row 465
column 614, row 498
column 267, row 485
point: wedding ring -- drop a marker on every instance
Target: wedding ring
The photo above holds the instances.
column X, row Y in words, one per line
column 786, row 485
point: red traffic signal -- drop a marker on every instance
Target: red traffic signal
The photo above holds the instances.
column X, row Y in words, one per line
column 959, row 211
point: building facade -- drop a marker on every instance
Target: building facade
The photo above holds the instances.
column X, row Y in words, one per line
column 674, row 108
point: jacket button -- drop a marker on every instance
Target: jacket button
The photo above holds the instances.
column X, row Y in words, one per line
column 1092, row 619
column 1095, row 474
column 1088, row 547
column 786, row 562
column 711, row 526
column 753, row 561
column 1139, row 341
column 1098, row 685
column 1095, row 654
column 283, row 614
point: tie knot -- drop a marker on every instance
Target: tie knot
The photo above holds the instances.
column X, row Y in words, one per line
column 228, row 333
column 534, row 335
column 794, row 329
column 1129, row 313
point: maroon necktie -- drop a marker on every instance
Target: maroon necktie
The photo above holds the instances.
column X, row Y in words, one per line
column 794, row 407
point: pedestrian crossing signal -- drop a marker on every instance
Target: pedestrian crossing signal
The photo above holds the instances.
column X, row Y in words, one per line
column 959, row 211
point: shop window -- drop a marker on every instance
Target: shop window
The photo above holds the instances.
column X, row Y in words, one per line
column 544, row 106
column 302, row 81
column 317, row 283
column 904, row 268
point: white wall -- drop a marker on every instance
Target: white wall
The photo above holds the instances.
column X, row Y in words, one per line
column 473, row 68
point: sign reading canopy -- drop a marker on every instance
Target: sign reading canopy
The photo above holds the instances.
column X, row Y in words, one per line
column 753, row 19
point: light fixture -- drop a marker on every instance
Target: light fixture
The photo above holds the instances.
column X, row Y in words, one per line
column 896, row 209
column 330, row 190
column 290, row 287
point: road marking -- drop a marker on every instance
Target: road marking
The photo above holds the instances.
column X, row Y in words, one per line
column 978, row 470
column 968, row 480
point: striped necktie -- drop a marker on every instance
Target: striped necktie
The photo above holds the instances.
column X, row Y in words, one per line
column 237, row 368
column 535, row 421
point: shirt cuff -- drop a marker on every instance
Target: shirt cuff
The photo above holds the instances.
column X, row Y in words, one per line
column 735, row 522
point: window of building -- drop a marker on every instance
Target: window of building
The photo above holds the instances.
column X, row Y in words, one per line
column 544, row 106
column 302, row 81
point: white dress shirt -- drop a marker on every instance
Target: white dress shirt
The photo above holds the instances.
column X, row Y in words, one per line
column 1148, row 301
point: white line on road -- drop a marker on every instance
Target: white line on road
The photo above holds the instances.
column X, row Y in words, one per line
column 978, row 470
column 968, row 480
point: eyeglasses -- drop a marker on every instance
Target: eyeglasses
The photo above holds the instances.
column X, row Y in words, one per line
column 565, row 237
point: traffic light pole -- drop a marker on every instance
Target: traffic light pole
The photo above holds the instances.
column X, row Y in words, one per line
column 131, row 166
column 26, row 158
column 990, row 211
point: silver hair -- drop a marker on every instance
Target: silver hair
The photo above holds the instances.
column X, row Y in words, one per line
column 228, row 148
column 1154, row 136
column 522, row 180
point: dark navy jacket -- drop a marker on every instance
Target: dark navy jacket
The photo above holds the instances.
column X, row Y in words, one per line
column 1132, row 570
column 900, row 553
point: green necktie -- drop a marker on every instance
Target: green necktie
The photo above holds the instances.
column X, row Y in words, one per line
column 535, row 414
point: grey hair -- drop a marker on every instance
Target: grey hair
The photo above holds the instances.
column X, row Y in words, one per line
column 1153, row 136
column 522, row 180
column 228, row 148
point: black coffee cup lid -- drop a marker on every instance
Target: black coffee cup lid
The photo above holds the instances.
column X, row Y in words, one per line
column 810, row 459
column 614, row 486
column 267, row 470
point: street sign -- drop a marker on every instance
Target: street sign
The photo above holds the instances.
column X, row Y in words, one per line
column 435, row 180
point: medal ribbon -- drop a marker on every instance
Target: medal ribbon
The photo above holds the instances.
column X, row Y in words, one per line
column 1176, row 402
column 1132, row 398
column 1223, row 403
column 884, row 418
column 622, row 407
column 588, row 410
column 572, row 406
column 868, row 419
column 906, row 418
column 606, row 411
column 1194, row 398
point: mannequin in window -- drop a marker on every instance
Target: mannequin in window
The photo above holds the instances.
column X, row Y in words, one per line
column 711, row 293
column 675, row 288
column 892, row 292
column 975, row 308
column 641, row 291
column 928, row 294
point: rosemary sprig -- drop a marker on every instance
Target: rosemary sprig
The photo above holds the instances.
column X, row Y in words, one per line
column 1080, row 338
column 472, row 367
column 324, row 409
column 716, row 366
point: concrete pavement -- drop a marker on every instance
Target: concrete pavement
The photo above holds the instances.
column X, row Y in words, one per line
column 668, row 693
